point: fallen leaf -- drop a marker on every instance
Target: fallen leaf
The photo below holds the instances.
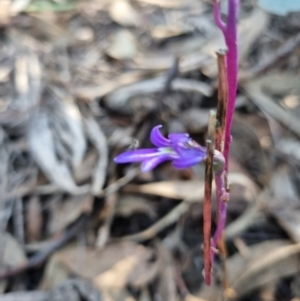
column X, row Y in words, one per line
column 42, row 147
column 123, row 45
column 195, row 119
column 5, row 12
column 285, row 203
column 161, row 32
column 122, row 12
column 68, row 113
column 167, row 289
column 25, row 296
column 267, row 261
column 118, row 100
column 267, row 104
column 131, row 204
column 66, row 211
column 165, row 3
column 113, row 267
column 34, row 219
column 75, row 290
column 191, row 190
column 99, row 140
column 11, row 255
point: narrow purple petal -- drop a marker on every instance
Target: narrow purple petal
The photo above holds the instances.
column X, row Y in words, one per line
column 138, row 155
column 151, row 163
column 179, row 138
column 158, row 139
column 188, row 161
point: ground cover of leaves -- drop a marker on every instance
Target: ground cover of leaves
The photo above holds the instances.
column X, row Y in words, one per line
column 82, row 81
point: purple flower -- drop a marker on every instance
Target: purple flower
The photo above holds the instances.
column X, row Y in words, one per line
column 179, row 148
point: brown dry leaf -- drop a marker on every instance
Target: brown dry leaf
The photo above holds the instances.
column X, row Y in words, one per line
column 55, row 273
column 34, row 219
column 285, row 203
column 24, row 296
column 171, row 189
column 99, row 140
column 131, row 204
column 165, row 3
column 145, row 295
column 122, row 12
column 286, row 82
column 273, row 261
column 266, row 262
column 67, row 112
column 248, row 34
column 167, row 289
column 113, row 268
column 289, row 147
column 161, row 32
column 42, row 147
column 190, row 297
column 85, row 170
column 134, row 268
column 4, row 73
column 255, row 90
column 117, row 100
column 74, row 290
column 27, row 89
column 191, row 190
column 247, row 149
column 123, row 45
column 195, row 119
column 281, row 100
column 67, row 211
column 4, row 12
column 11, row 255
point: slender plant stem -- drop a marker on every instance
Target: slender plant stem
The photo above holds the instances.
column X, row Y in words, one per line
column 229, row 30
column 210, row 142
column 227, row 94
column 222, row 209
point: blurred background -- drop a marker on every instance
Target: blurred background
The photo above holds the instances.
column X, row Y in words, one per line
column 82, row 81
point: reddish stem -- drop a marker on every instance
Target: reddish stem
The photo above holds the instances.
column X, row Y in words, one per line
column 230, row 34
column 207, row 197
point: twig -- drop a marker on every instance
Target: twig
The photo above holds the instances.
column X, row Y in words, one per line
column 221, row 177
column 167, row 220
column 223, row 253
column 114, row 187
column 210, row 144
column 41, row 256
column 98, row 138
column 276, row 55
column 267, row 105
column 222, row 100
column 109, row 209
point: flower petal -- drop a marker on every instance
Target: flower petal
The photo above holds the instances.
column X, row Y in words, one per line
column 151, row 163
column 138, row 155
column 157, row 138
column 179, row 138
column 188, row 161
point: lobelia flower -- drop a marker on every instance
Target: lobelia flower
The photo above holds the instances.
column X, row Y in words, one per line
column 179, row 148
